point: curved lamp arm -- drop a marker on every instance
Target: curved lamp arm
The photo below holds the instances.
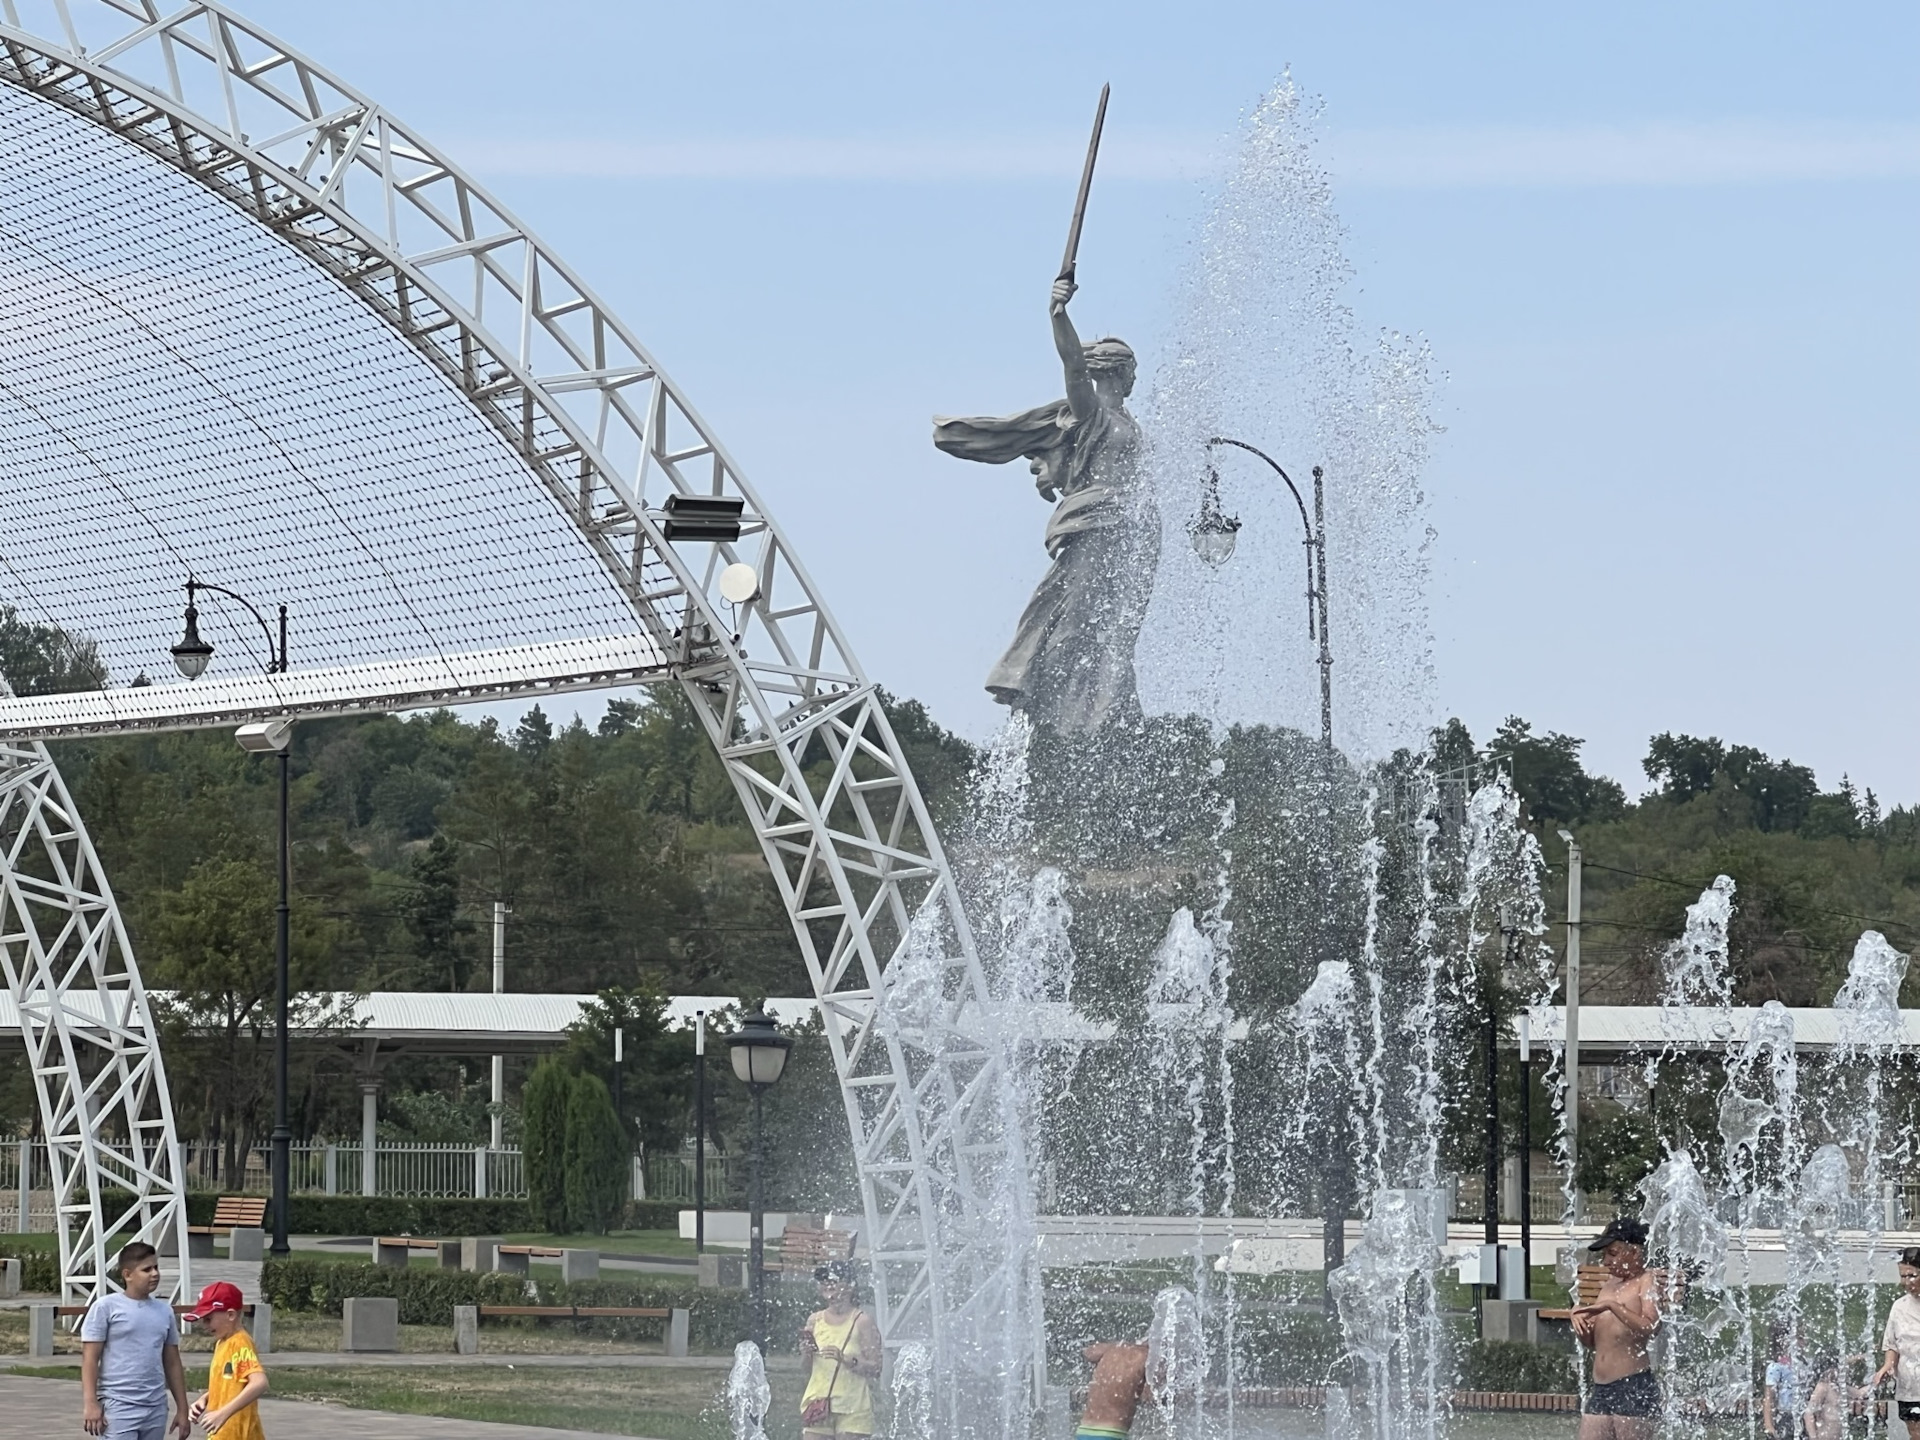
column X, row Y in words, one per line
column 277, row 655
column 1312, row 539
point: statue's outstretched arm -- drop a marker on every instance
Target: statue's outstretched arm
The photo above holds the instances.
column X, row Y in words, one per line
column 1080, row 393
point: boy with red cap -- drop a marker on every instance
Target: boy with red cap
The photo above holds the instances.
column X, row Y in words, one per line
column 235, row 1380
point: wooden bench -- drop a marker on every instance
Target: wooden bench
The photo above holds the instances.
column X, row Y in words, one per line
column 1586, row 1290
column 230, row 1213
column 466, row 1321
column 803, row 1248
column 518, row 1259
column 397, row 1250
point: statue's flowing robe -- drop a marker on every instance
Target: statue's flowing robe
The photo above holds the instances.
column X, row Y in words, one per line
column 1071, row 662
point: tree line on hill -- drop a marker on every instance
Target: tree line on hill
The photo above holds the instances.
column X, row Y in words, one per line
column 632, row 873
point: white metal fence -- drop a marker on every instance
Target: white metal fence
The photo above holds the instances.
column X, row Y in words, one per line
column 400, row 1171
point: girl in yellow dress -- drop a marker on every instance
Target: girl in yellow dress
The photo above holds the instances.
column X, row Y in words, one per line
column 842, row 1345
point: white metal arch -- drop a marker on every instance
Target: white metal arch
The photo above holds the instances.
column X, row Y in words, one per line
column 89, row 1032
column 794, row 718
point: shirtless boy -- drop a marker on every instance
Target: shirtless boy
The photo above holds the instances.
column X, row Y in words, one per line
column 1624, row 1403
column 1119, row 1379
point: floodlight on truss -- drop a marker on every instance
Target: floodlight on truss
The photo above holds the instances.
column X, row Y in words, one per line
column 617, row 507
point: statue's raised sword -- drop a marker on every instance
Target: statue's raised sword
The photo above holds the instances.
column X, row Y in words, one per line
column 1086, row 184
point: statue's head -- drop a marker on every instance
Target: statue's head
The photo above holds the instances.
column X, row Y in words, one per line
column 1111, row 366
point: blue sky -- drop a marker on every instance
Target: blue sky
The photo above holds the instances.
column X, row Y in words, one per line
column 1665, row 256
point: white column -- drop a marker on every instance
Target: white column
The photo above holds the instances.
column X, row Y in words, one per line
column 26, row 1185
column 331, row 1178
column 499, row 1094
column 369, row 1133
column 479, row 1172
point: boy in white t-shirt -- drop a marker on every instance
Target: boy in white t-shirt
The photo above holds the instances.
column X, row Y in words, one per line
column 1902, row 1344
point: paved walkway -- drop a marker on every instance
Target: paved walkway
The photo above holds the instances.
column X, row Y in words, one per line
column 329, row 1359
column 39, row 1409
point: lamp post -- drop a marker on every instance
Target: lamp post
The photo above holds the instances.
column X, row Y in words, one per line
column 1214, row 534
column 191, row 656
column 759, row 1054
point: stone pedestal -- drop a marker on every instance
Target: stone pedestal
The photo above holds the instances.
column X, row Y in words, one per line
column 200, row 1244
column 719, row 1270
column 369, row 1325
column 40, row 1331
column 511, row 1262
column 579, row 1265
column 1511, row 1321
column 466, row 1329
column 452, row 1254
column 9, row 1279
column 247, row 1243
column 677, row 1327
column 260, row 1326
column 477, row 1252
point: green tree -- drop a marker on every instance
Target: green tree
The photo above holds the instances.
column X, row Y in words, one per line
column 432, row 910
column 44, row 659
column 657, row 1073
column 598, row 1159
column 1548, row 776
column 545, row 1107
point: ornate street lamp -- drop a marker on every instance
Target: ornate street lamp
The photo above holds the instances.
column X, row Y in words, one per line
column 1214, row 533
column 759, row 1053
column 192, row 656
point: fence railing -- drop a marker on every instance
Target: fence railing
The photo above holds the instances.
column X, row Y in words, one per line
column 401, row 1170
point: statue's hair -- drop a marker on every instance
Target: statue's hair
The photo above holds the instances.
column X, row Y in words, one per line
column 1109, row 354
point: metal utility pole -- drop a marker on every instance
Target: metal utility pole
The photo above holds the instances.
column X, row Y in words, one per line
column 699, row 1132
column 499, row 1090
column 1573, row 1020
column 1526, row 1157
column 282, row 1142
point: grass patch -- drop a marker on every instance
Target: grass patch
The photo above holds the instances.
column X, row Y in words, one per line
column 47, row 1372
column 664, row 1243
column 668, row 1405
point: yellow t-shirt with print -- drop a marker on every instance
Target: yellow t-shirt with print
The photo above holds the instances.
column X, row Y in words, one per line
column 234, row 1359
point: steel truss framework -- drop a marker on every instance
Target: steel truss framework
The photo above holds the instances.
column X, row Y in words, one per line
column 96, row 1067
column 798, row 725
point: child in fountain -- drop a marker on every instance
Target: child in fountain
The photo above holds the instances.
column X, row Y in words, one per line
column 1624, row 1402
column 1113, row 1395
column 1902, row 1344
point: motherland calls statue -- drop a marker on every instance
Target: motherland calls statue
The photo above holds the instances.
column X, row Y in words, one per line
column 1071, row 662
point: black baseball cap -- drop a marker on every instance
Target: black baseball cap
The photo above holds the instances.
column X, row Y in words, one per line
column 1625, row 1228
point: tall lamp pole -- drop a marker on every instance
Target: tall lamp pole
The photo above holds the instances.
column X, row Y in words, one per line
column 191, row 656
column 699, row 1132
column 1214, row 534
column 759, row 1053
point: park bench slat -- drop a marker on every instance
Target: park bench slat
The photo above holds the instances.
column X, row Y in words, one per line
column 234, row 1212
column 804, row 1247
column 576, row 1312
column 542, row 1251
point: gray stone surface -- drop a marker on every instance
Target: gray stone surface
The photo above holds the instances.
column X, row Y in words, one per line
column 9, row 1278
column 1509, row 1320
column 247, row 1242
column 40, row 1330
column 477, row 1252
column 719, row 1270
column 678, row 1324
column 369, row 1323
column 579, row 1265
column 260, row 1326
column 32, row 1409
column 466, row 1329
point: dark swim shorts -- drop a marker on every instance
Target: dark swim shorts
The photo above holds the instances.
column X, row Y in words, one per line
column 1636, row 1395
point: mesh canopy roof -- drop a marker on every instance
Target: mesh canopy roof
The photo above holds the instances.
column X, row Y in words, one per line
column 181, row 392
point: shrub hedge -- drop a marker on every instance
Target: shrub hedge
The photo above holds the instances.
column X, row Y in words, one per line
column 363, row 1215
column 39, row 1269
column 717, row 1318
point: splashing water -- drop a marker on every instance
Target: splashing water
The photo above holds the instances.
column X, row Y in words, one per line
column 912, row 1390
column 1177, row 1360
column 749, row 1396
